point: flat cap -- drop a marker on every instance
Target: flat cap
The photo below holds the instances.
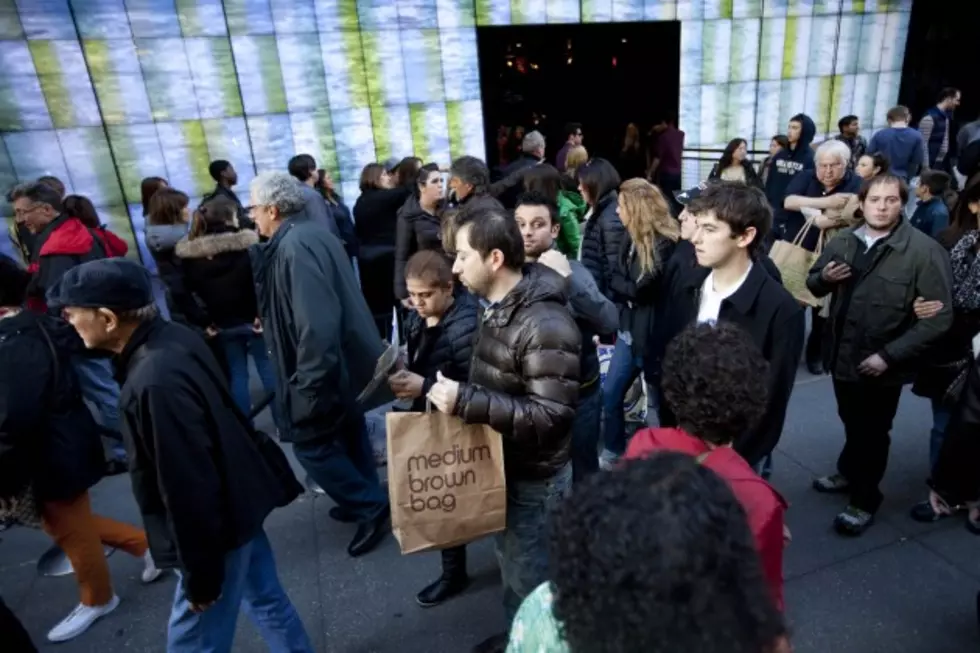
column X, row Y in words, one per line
column 115, row 283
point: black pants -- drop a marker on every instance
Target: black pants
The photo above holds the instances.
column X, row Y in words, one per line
column 12, row 633
column 867, row 411
column 814, row 342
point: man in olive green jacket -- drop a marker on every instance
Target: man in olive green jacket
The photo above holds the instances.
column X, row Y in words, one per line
column 875, row 272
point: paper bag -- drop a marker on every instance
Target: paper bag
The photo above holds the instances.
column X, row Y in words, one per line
column 794, row 263
column 445, row 480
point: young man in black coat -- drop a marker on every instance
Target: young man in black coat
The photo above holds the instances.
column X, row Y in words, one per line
column 203, row 479
column 732, row 221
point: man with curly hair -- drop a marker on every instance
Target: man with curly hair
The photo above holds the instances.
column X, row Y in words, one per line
column 714, row 380
column 653, row 558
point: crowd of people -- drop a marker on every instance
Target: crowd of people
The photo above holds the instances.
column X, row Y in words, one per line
column 503, row 292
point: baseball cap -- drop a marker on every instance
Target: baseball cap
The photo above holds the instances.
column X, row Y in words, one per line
column 114, row 283
column 685, row 197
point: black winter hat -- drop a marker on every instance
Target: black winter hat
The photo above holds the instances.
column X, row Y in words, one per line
column 114, row 283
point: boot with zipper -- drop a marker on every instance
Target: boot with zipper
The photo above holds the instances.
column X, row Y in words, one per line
column 452, row 581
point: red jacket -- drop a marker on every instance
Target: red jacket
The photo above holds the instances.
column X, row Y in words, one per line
column 63, row 244
column 763, row 505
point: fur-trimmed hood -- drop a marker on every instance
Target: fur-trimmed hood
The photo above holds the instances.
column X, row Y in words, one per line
column 213, row 244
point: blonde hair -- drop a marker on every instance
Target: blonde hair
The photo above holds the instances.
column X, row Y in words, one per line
column 577, row 157
column 648, row 218
column 632, row 140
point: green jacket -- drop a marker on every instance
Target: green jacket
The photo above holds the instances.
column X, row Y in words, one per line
column 571, row 210
column 879, row 317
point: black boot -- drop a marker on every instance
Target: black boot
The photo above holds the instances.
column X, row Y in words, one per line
column 814, row 343
column 452, row 581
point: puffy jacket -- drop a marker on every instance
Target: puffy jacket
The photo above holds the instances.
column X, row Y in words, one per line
column 524, row 375
column 639, row 293
column 571, row 210
column 216, row 269
column 60, row 246
column 871, row 312
column 602, row 243
column 48, row 436
column 446, row 347
column 764, row 507
column 322, row 341
column 417, row 230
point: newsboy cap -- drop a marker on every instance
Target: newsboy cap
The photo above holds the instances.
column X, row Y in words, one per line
column 114, row 283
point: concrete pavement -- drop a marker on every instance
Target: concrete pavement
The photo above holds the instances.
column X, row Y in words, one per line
column 902, row 587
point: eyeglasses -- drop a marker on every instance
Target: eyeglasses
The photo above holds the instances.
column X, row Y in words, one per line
column 21, row 213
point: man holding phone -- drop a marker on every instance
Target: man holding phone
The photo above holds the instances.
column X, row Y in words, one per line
column 875, row 273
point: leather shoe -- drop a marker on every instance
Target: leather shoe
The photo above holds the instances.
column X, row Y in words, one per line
column 369, row 534
column 495, row 644
column 339, row 514
column 452, row 581
column 815, row 367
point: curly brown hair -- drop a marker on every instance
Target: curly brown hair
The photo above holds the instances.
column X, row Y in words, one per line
column 715, row 381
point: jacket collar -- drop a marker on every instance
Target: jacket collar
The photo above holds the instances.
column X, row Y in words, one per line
column 742, row 299
column 539, row 284
column 130, row 354
column 897, row 240
column 210, row 245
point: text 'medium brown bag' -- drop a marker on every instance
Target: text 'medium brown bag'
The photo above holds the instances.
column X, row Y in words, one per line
column 445, row 480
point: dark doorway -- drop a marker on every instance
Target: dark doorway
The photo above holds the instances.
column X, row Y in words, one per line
column 604, row 76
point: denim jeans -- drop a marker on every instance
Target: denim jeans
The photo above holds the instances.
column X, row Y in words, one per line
column 344, row 466
column 239, row 344
column 100, row 391
column 252, row 584
column 940, row 420
column 585, row 434
column 623, row 370
column 522, row 549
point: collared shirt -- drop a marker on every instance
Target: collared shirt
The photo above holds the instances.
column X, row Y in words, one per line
column 711, row 299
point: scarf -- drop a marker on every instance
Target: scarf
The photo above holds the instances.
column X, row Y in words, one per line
column 966, row 273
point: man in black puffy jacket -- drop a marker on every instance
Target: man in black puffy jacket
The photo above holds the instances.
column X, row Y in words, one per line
column 523, row 382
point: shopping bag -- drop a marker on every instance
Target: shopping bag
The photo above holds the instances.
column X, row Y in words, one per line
column 445, row 480
column 794, row 263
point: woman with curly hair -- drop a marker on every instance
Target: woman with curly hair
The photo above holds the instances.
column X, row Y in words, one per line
column 636, row 289
column 715, row 381
column 654, row 558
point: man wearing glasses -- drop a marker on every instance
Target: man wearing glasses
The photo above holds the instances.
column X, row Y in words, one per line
column 60, row 242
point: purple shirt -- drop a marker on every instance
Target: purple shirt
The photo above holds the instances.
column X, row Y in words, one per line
column 670, row 147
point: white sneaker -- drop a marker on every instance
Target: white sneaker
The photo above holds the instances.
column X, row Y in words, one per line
column 80, row 619
column 150, row 571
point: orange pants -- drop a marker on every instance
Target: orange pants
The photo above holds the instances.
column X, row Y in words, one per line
column 81, row 534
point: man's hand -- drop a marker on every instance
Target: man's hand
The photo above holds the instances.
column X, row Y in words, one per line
column 823, row 221
column 444, row 394
column 257, row 325
column 835, row 272
column 873, row 365
column 211, row 331
column 838, row 201
column 198, row 608
column 406, row 385
column 925, row 309
column 556, row 261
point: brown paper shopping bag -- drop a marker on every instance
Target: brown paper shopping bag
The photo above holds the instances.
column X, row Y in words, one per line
column 445, row 480
column 794, row 263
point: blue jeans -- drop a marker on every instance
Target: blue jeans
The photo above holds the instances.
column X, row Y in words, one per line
column 252, row 584
column 623, row 370
column 240, row 343
column 100, row 391
column 940, row 420
column 522, row 549
column 344, row 466
column 585, row 434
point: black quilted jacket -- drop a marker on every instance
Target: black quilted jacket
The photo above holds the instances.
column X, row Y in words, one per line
column 524, row 375
column 603, row 238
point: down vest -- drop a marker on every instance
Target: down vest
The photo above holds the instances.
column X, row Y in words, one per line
column 446, row 347
column 603, row 239
column 524, row 376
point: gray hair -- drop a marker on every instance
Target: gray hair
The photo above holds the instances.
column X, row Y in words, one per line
column 532, row 141
column 279, row 190
column 834, row 148
column 37, row 192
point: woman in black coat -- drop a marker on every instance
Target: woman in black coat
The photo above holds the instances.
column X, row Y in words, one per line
column 603, row 234
column 375, row 220
column 216, row 270
column 419, row 227
column 440, row 333
column 734, row 165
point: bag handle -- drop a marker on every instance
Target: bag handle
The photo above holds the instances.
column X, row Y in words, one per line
column 801, row 234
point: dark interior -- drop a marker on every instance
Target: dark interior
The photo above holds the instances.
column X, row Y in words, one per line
column 601, row 75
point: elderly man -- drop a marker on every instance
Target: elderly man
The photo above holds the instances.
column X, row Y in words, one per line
column 813, row 194
column 324, row 347
column 469, row 181
column 507, row 189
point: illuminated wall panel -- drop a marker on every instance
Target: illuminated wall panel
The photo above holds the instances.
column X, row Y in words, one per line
column 103, row 93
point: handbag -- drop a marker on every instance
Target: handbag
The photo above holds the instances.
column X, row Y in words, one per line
column 25, row 509
column 794, row 262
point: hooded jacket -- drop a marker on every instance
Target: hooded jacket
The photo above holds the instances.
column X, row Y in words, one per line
column 64, row 243
column 162, row 241
column 789, row 161
column 764, row 507
column 216, row 269
column 417, row 230
column 524, row 375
